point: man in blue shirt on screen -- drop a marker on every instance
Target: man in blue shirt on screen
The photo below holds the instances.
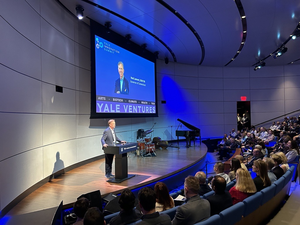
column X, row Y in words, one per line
column 121, row 85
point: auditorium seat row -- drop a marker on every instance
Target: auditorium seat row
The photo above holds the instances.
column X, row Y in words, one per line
column 255, row 209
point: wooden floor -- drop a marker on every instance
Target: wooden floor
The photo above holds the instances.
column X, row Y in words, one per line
column 90, row 177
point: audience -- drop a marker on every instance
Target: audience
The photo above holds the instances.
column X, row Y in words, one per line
column 195, row 209
column 147, row 201
column 262, row 179
column 241, row 159
column 204, row 188
column 80, row 207
column 127, row 214
column 257, row 154
column 277, row 170
column 284, row 165
column 163, row 199
column 219, row 170
column 243, row 188
column 235, row 164
column 221, row 199
column 292, row 151
column 93, row 216
column 270, row 164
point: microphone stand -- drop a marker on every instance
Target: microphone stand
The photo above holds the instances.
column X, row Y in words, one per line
column 171, row 145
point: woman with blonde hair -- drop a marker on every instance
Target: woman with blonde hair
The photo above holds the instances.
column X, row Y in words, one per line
column 262, row 179
column 244, row 186
column 284, row 165
column 163, row 199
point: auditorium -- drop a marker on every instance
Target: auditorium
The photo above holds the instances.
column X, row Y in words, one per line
column 175, row 76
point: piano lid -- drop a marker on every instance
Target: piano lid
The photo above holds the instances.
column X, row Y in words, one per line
column 188, row 125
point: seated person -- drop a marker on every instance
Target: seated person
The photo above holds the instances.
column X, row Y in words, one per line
column 224, row 151
column 204, row 188
column 243, row 188
column 163, row 199
column 235, row 164
column 147, row 200
column 221, row 199
column 80, row 207
column 262, row 179
column 94, row 217
column 292, row 150
column 270, row 164
column 219, row 170
column 277, row 170
column 195, row 209
column 127, row 214
column 257, row 154
column 284, row 165
column 241, row 159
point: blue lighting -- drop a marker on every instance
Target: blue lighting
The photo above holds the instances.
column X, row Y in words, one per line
column 4, row 220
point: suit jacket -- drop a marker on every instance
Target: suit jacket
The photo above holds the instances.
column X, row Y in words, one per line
column 125, row 87
column 195, row 210
column 107, row 137
column 219, row 202
column 155, row 218
column 278, row 171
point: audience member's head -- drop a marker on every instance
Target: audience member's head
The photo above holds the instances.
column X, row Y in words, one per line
column 277, row 159
column 81, row 206
column 261, row 169
column 218, row 184
column 240, row 157
column 191, row 186
column 201, row 176
column 257, row 152
column 93, row 216
column 219, row 167
column 244, row 182
column 282, row 156
column 147, row 199
column 235, row 164
column 270, row 162
column 162, row 195
column 127, row 200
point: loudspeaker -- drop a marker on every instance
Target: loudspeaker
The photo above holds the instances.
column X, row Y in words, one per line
column 94, row 198
column 112, row 204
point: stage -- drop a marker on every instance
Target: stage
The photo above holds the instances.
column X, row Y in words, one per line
column 90, row 177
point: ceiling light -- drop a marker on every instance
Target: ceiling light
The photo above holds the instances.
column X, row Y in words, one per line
column 79, row 12
column 281, row 51
column 260, row 65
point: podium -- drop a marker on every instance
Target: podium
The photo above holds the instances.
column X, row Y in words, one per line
column 121, row 163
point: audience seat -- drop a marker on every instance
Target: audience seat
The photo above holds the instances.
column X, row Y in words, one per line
column 213, row 220
column 230, row 185
column 171, row 212
column 206, row 195
column 232, row 214
column 279, row 184
column 268, row 193
column 252, row 203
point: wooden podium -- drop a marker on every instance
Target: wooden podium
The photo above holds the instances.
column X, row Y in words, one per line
column 121, row 163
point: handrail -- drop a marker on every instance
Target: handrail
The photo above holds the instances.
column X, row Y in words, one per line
column 271, row 120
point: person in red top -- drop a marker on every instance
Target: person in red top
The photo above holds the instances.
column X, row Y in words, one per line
column 244, row 186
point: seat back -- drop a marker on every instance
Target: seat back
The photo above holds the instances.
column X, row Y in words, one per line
column 232, row 214
column 213, row 220
column 206, row 195
column 171, row 212
column 279, row 184
column 230, row 185
column 252, row 203
column 268, row 193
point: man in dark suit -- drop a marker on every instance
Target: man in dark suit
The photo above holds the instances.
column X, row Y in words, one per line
column 221, row 199
column 257, row 154
column 195, row 209
column 109, row 138
column 122, row 84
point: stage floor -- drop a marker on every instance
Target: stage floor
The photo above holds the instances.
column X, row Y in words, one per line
column 90, row 177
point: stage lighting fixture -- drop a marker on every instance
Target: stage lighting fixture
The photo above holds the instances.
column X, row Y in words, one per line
column 260, row 65
column 166, row 60
column 108, row 26
column 144, row 46
column 128, row 36
column 79, row 12
column 281, row 51
column 156, row 53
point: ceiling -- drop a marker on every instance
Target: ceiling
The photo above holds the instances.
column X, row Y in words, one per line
column 203, row 32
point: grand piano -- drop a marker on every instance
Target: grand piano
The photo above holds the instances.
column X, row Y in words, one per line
column 190, row 134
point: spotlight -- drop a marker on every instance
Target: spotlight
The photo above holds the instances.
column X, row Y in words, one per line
column 296, row 34
column 281, row 51
column 79, row 12
column 128, row 36
column 108, row 26
column 156, row 53
column 260, row 65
